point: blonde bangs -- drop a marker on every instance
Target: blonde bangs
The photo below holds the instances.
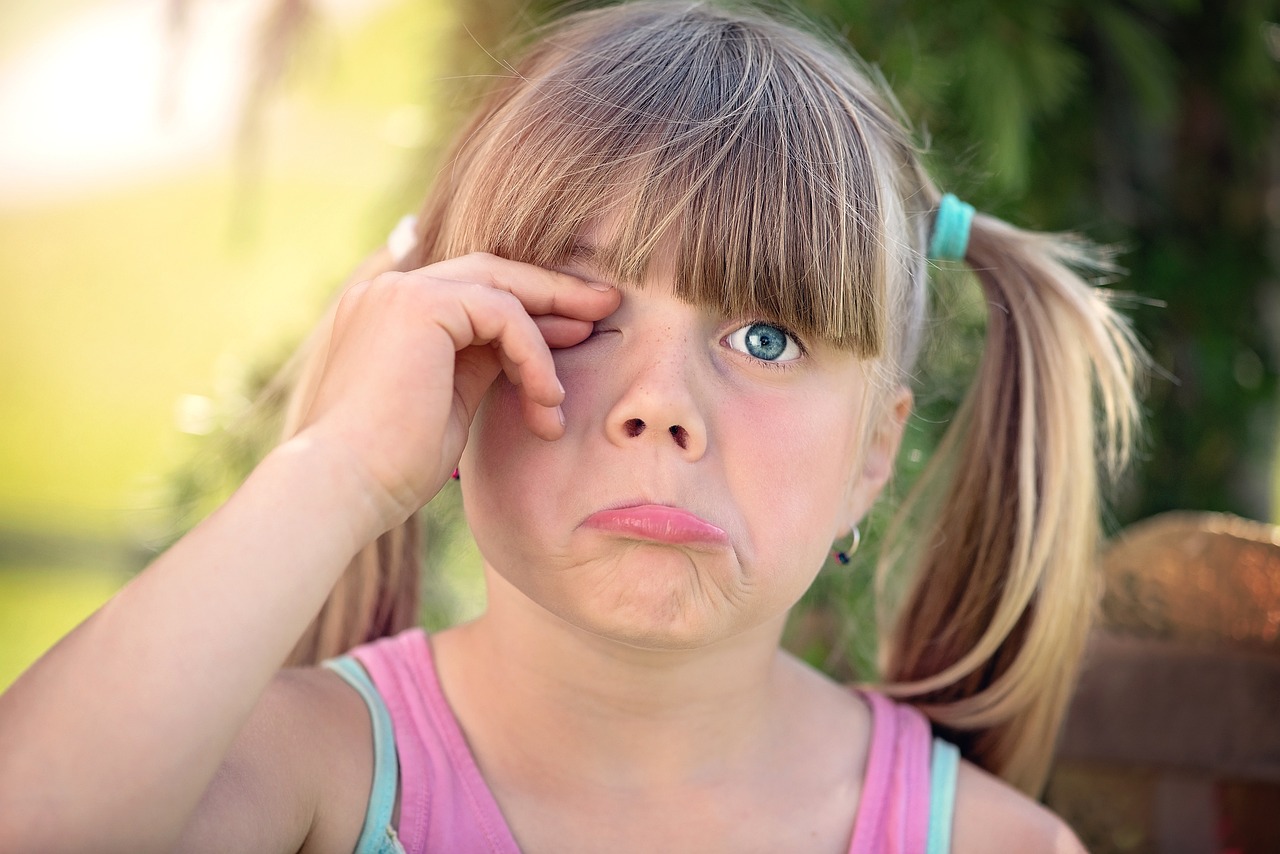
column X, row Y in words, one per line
column 706, row 136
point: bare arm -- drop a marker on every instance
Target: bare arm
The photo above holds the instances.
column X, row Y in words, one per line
column 110, row 740
column 109, row 743
column 297, row 777
column 993, row 816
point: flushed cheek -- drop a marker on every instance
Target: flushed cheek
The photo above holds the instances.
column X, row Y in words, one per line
column 582, row 381
column 498, row 430
column 789, row 474
column 504, row 463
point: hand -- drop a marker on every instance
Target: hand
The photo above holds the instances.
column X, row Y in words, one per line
column 412, row 354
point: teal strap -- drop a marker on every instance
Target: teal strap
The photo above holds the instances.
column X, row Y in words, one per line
column 951, row 223
column 942, row 795
column 377, row 836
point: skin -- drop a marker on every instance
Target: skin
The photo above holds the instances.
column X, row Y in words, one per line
column 620, row 657
column 617, row 695
column 761, row 449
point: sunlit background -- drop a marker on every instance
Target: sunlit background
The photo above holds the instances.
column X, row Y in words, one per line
column 156, row 244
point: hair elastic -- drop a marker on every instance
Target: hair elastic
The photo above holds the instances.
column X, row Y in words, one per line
column 403, row 237
column 951, row 224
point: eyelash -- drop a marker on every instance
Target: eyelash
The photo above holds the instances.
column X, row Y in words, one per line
column 771, row 364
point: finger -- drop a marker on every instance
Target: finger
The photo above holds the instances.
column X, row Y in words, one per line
column 540, row 290
column 560, row 331
column 475, row 375
column 482, row 315
column 510, row 369
column 476, row 369
column 545, row 422
column 514, row 376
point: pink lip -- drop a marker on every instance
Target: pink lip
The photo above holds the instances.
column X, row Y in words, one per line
column 657, row 522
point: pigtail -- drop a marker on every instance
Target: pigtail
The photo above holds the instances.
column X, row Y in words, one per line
column 991, row 630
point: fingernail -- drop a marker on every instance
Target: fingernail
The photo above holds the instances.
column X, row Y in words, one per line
column 561, row 385
column 560, row 412
column 600, row 286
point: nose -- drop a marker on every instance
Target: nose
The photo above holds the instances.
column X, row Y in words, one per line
column 658, row 405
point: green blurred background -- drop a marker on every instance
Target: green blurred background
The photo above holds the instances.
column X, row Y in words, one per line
column 183, row 183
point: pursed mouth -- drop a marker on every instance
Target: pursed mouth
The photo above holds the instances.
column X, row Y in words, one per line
column 658, row 523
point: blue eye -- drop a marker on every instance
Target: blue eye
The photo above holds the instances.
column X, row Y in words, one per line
column 766, row 342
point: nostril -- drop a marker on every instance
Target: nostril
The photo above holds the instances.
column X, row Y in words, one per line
column 681, row 436
column 634, row 427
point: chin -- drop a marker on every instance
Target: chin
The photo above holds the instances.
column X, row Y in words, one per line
column 659, row 598
column 673, row 636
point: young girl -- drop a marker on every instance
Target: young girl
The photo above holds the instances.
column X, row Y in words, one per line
column 660, row 311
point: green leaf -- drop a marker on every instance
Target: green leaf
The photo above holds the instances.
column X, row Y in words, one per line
column 1148, row 65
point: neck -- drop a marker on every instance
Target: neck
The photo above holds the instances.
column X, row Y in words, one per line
column 528, row 686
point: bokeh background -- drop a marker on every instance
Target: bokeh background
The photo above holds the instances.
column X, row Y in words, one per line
column 185, row 183
column 181, row 188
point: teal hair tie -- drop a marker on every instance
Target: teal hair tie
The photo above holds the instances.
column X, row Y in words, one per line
column 951, row 224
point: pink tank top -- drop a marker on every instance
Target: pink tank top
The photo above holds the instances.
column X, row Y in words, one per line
column 445, row 804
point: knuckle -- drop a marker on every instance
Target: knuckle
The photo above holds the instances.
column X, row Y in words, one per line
column 356, row 291
column 509, row 300
column 503, row 301
column 386, row 279
column 478, row 266
column 350, row 298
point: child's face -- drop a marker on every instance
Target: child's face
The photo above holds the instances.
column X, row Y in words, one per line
column 667, row 404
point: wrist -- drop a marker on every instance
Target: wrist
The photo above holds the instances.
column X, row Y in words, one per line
column 327, row 477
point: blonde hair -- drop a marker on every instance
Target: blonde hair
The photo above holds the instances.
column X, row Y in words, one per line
column 793, row 192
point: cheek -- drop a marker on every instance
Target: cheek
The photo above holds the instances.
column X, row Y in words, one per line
column 504, row 479
column 501, row 451
column 579, row 371
column 494, row 434
column 794, row 464
column 502, row 457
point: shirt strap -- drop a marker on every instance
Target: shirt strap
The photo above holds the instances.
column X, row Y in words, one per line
column 377, row 836
column 942, row 795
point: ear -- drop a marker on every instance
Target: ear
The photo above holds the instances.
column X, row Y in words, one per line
column 880, row 454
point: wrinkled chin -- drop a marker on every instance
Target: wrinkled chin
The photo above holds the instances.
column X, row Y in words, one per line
column 647, row 596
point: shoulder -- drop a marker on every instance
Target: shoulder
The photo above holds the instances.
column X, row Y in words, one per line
column 993, row 816
column 338, row 748
column 297, row 776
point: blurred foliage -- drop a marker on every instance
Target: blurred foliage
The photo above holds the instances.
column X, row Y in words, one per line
column 245, row 422
column 1154, row 125
column 141, row 311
